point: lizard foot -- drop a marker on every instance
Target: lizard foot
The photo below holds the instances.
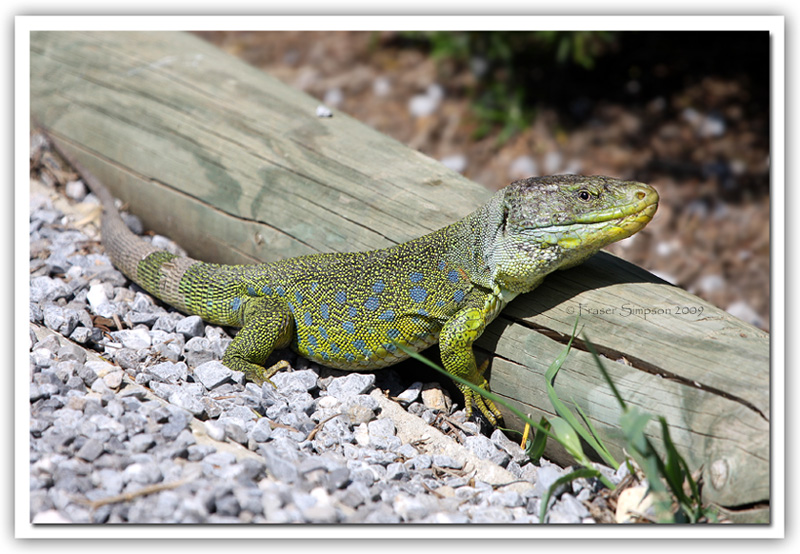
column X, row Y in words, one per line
column 254, row 372
column 273, row 369
column 486, row 406
column 472, row 398
column 259, row 375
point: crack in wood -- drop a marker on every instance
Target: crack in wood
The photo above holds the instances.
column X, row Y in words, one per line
column 636, row 363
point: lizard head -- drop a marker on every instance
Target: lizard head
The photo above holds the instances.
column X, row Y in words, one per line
column 557, row 222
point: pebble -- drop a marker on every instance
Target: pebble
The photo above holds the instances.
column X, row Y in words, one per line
column 61, row 320
column 522, row 167
column 433, row 397
column 75, row 190
column 423, row 105
column 411, row 393
column 485, row 449
column 323, row 111
column 381, row 86
column 456, row 162
column 295, row 381
column 190, row 327
column 199, row 350
column 745, row 312
column 212, row 374
column 350, row 385
column 97, row 296
column 95, row 433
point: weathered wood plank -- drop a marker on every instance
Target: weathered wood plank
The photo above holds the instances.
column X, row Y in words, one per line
column 236, row 140
column 236, row 167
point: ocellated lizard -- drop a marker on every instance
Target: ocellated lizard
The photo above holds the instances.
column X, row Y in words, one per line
column 352, row 310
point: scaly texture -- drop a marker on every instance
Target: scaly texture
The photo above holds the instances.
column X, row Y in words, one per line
column 351, row 311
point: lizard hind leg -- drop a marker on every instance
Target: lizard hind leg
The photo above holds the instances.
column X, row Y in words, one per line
column 268, row 324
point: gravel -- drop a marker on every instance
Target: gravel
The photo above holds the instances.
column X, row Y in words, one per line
column 161, row 412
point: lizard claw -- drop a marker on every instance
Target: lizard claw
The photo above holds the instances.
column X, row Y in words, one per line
column 486, row 406
column 254, row 372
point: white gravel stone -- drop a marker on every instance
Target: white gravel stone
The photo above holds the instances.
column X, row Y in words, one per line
column 323, row 111
column 215, row 430
column 351, row 385
column 190, row 327
column 135, row 339
column 97, row 296
column 212, row 374
column 522, row 167
column 113, row 380
column 456, row 162
column 75, row 190
column 411, row 393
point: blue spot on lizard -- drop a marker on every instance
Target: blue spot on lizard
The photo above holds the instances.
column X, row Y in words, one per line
column 418, row 294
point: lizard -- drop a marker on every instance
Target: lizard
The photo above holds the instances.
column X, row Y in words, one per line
column 352, row 311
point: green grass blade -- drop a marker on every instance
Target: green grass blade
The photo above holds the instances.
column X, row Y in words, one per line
column 633, row 422
column 604, row 452
column 535, row 448
column 483, row 392
column 563, row 411
column 677, row 472
column 603, row 370
column 673, row 471
column 569, row 439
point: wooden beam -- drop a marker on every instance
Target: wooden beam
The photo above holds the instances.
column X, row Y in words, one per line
column 236, row 167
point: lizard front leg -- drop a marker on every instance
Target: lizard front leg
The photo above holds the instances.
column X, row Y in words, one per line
column 268, row 324
column 455, row 344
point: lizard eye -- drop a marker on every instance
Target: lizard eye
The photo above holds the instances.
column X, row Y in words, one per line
column 584, row 195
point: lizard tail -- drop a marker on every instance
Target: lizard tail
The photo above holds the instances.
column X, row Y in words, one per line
column 157, row 271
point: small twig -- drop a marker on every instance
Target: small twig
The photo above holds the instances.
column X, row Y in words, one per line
column 452, row 422
column 432, row 491
column 449, row 471
column 320, row 425
column 624, row 484
column 420, row 442
column 117, row 322
column 125, row 497
column 274, row 424
column 525, row 434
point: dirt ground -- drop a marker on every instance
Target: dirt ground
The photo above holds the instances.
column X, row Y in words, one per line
column 703, row 144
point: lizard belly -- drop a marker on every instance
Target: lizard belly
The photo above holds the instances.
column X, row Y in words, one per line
column 367, row 344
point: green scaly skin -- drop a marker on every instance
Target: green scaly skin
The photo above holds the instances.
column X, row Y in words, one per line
column 351, row 311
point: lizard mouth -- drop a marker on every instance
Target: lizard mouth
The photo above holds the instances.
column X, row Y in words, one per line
column 642, row 211
column 630, row 221
column 601, row 228
column 621, row 221
column 643, row 200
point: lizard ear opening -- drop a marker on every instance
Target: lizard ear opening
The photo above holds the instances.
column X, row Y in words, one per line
column 504, row 219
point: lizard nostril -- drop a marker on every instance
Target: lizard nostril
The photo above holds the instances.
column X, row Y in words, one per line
column 641, row 195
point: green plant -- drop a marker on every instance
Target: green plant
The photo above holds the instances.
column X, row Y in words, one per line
column 668, row 479
column 509, row 67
